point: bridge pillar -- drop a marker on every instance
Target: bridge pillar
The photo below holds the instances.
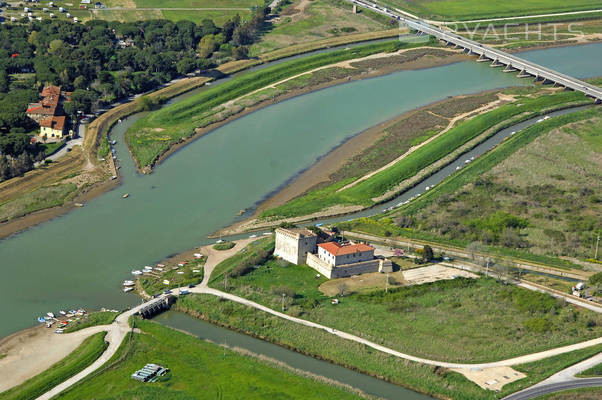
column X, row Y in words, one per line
column 523, row 74
column 482, row 58
column 509, row 68
column 496, row 63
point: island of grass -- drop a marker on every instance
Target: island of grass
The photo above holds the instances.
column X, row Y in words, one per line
column 418, row 164
column 172, row 275
column 198, row 369
column 92, row 319
column 84, row 355
column 224, row 246
column 157, row 132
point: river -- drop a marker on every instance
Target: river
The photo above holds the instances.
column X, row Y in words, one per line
column 80, row 259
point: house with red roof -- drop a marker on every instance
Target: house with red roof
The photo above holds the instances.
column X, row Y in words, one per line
column 48, row 112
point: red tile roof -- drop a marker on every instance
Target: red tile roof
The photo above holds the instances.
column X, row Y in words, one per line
column 337, row 250
column 51, row 91
column 54, row 122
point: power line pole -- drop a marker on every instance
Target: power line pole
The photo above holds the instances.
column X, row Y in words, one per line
column 487, row 267
column 597, row 245
column 283, row 297
column 226, row 282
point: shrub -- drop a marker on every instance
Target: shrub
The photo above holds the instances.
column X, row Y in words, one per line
column 538, row 324
column 280, row 290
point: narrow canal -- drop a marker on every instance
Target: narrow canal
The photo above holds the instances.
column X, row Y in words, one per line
column 216, row 334
column 80, row 259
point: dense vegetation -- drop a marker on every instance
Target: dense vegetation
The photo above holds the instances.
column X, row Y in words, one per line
column 100, row 62
column 80, row 358
column 198, row 369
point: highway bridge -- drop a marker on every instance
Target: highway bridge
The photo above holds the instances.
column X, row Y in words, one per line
column 497, row 57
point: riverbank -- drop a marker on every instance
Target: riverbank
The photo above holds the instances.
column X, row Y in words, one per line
column 425, row 59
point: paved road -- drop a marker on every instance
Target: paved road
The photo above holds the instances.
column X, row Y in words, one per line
column 173, row 9
column 515, row 18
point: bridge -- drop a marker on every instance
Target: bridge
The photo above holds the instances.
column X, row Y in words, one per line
column 497, row 57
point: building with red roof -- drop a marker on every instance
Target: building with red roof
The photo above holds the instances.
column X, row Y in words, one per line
column 48, row 112
column 336, row 254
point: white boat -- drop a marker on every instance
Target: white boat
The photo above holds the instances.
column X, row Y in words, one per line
column 127, row 289
column 253, row 236
column 136, row 272
column 58, row 331
column 540, row 120
column 129, row 283
column 467, row 161
column 219, row 241
column 196, row 271
column 267, row 233
column 198, row 255
column 457, row 168
column 472, row 158
column 546, row 117
column 51, row 315
column 165, row 282
column 114, row 141
column 180, row 272
column 62, row 312
column 125, row 196
column 427, row 188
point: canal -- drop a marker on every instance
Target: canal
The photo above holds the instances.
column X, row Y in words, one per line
column 79, row 259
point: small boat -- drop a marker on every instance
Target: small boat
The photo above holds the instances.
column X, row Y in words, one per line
column 113, row 177
column 127, row 289
column 41, row 320
column 51, row 315
column 219, row 241
column 113, row 142
column 472, row 158
column 253, row 236
column 125, row 196
column 161, row 265
column 165, row 282
column 467, row 161
column 59, row 331
column 198, row 255
column 49, row 324
column 129, row 283
column 267, row 233
column 457, row 168
column 62, row 312
column 72, row 311
column 546, row 117
column 196, row 271
column 78, row 204
column 427, row 188
column 180, row 272
column 136, row 272
column 540, row 120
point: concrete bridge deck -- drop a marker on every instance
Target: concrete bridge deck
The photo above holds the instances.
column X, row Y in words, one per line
column 498, row 57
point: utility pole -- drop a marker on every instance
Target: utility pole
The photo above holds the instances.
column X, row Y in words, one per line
column 387, row 284
column 283, row 297
column 597, row 245
column 226, row 282
column 487, row 267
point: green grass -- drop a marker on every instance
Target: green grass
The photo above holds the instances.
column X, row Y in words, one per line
column 92, row 319
column 38, row 199
column 477, row 9
column 104, row 148
column 588, row 393
column 198, row 369
column 436, row 382
column 224, row 246
column 158, row 131
column 51, row 148
column 84, row 355
column 246, row 254
column 384, row 181
column 446, row 320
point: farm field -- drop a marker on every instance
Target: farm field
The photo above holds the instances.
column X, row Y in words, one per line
column 444, row 320
column 198, row 369
column 477, row 9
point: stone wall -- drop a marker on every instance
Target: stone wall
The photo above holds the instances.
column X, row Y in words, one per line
column 322, row 267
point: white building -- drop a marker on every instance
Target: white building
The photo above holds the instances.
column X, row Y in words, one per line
column 293, row 245
column 336, row 254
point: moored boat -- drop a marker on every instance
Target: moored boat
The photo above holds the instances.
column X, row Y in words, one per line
column 136, row 272
column 41, row 320
column 51, row 315
column 127, row 289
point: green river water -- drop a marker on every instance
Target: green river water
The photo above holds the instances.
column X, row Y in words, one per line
column 80, row 259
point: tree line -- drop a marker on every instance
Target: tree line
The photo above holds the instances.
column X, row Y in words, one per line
column 103, row 61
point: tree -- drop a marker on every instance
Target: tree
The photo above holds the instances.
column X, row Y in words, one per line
column 427, row 253
column 56, row 47
column 186, row 65
column 240, row 52
column 475, row 247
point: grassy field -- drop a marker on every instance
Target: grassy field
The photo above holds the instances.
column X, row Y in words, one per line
column 257, row 250
column 304, row 22
column 386, row 181
column 224, row 246
column 92, row 319
column 176, row 275
column 38, row 199
column 158, row 131
column 446, row 320
column 90, row 349
column 539, row 191
column 198, row 370
column 477, row 9
column 434, row 381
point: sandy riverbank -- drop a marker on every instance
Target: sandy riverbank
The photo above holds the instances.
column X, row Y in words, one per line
column 28, row 353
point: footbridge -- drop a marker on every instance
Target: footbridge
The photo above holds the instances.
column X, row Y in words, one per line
column 497, row 57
